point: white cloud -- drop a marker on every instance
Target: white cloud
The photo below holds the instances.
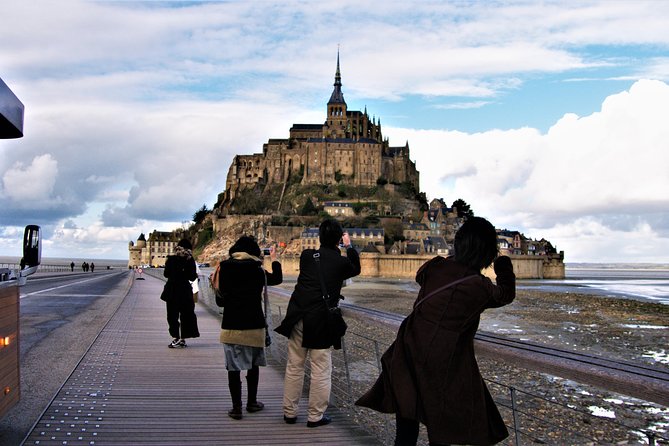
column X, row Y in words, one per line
column 134, row 110
column 589, row 240
column 585, row 175
column 31, row 184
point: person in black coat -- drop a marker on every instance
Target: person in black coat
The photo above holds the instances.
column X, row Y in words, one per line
column 305, row 322
column 241, row 282
column 178, row 294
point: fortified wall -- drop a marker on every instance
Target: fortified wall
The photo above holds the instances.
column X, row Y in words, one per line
column 405, row 266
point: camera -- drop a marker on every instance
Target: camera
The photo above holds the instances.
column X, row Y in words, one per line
column 266, row 251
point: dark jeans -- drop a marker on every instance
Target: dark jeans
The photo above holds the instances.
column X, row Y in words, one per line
column 181, row 318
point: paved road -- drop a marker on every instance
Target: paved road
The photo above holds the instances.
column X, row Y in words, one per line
column 61, row 314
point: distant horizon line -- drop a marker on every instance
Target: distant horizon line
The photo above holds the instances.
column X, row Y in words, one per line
column 612, row 264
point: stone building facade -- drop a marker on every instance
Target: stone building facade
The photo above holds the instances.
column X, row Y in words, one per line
column 348, row 148
column 154, row 251
column 360, row 238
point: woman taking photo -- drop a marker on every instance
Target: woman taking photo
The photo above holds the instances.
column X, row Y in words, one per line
column 241, row 282
column 429, row 374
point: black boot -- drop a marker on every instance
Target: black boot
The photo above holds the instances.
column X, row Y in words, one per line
column 235, row 386
column 252, row 378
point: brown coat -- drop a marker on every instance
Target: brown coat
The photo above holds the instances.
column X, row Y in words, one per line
column 430, row 372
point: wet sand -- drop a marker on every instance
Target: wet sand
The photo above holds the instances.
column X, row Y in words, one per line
column 616, row 328
column 626, row 329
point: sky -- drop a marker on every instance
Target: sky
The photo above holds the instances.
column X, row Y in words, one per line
column 549, row 118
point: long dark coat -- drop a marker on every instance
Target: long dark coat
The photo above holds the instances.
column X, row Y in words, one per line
column 241, row 283
column 179, row 271
column 306, row 302
column 178, row 295
column 430, row 372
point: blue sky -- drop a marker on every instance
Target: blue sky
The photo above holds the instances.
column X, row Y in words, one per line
column 547, row 117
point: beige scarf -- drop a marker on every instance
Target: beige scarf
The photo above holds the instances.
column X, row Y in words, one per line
column 245, row 256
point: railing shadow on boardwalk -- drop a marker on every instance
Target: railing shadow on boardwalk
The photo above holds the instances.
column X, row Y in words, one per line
column 532, row 417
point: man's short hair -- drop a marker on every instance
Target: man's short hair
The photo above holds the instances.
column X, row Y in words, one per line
column 330, row 233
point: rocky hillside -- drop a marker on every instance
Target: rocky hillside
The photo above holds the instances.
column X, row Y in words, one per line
column 217, row 248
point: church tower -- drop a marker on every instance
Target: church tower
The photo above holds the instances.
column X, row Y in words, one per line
column 336, row 117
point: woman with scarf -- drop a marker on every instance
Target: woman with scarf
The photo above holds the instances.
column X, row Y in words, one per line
column 180, row 270
column 241, row 282
column 429, row 374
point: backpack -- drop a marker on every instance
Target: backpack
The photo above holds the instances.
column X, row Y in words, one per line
column 213, row 283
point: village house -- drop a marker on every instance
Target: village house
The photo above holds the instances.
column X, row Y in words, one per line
column 442, row 220
column 415, row 231
column 360, row 238
column 339, row 208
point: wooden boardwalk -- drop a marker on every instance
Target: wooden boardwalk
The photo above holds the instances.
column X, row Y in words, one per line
column 131, row 389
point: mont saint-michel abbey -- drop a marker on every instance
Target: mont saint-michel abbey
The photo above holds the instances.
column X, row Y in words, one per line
column 348, row 148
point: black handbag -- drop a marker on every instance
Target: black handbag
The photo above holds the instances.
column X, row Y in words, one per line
column 335, row 320
column 167, row 292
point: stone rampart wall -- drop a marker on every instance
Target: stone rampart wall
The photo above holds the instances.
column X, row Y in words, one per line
column 405, row 266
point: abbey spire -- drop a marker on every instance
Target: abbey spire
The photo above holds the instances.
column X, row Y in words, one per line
column 337, row 96
column 337, row 120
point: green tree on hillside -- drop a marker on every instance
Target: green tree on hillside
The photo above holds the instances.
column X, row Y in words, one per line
column 394, row 231
column 309, row 208
column 200, row 214
column 464, row 210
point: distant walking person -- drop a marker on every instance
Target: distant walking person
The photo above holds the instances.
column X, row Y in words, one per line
column 305, row 322
column 92, row 267
column 429, row 374
column 241, row 282
column 178, row 294
column 72, row 266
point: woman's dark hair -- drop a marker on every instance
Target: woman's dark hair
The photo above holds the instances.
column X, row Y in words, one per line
column 185, row 243
column 329, row 233
column 476, row 243
column 245, row 244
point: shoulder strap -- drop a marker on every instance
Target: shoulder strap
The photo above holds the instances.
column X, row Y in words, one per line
column 442, row 288
column 265, row 295
column 268, row 311
column 324, row 291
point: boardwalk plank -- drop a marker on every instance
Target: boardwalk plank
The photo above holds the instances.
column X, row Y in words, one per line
column 130, row 389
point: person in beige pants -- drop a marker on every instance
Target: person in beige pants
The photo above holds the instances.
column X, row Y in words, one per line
column 320, row 384
column 305, row 323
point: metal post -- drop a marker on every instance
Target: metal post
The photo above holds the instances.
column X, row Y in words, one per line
column 378, row 355
column 348, row 373
column 515, row 418
column 386, row 418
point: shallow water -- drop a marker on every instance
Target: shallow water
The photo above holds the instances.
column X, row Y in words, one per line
column 628, row 281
